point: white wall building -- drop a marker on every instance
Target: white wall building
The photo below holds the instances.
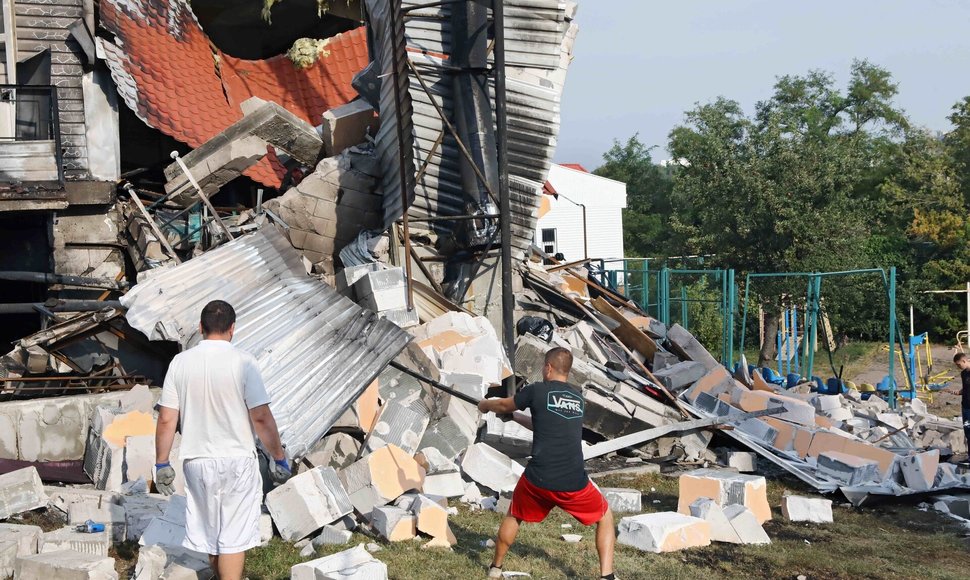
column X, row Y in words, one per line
column 561, row 227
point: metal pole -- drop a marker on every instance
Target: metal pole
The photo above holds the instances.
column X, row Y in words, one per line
column 892, row 336
column 586, row 237
column 505, row 202
column 66, row 280
column 202, row 196
column 402, row 163
column 912, row 330
column 151, row 223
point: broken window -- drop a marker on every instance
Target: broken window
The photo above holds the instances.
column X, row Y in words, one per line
column 549, row 245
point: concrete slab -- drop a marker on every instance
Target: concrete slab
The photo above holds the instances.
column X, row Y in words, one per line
column 847, row 469
column 16, row 541
column 664, row 532
column 67, row 538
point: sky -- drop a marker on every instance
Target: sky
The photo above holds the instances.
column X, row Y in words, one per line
column 638, row 65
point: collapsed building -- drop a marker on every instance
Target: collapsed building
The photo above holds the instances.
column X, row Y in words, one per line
column 367, row 202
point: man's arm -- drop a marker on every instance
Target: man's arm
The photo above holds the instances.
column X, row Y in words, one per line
column 168, row 420
column 265, row 426
column 498, row 406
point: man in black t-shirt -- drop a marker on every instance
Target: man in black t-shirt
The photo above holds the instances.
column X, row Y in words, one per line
column 556, row 475
column 963, row 363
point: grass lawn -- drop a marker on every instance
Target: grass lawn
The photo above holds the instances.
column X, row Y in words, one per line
column 894, row 540
column 856, row 357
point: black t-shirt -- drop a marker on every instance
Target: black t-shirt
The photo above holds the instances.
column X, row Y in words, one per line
column 965, row 394
column 557, row 435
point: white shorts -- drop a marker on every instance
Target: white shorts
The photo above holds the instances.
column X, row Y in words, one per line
column 223, row 504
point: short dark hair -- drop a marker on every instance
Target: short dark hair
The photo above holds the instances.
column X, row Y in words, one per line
column 959, row 356
column 560, row 359
column 217, row 317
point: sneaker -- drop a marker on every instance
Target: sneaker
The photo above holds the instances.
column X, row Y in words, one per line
column 494, row 572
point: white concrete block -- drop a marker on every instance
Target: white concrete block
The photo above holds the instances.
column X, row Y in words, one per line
column 725, row 488
column 919, row 470
column 721, row 529
column 743, row 461
column 265, row 529
column 393, row 523
column 95, row 544
column 331, row 536
column 508, row 437
column 65, row 565
column 111, row 515
column 491, row 468
column 307, row 502
column 847, row 469
column 16, row 541
column 746, row 525
column 664, row 532
column 806, row 509
column 380, row 478
column 21, row 491
column 62, row 498
column 444, row 484
column 622, row 500
column 353, row 564
column 167, row 529
column 171, row 563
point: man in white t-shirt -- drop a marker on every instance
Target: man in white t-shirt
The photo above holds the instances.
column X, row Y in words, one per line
column 217, row 394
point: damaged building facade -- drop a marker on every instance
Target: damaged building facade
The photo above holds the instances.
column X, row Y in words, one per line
column 364, row 188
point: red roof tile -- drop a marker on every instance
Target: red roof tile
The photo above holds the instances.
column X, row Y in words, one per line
column 175, row 80
column 575, row 166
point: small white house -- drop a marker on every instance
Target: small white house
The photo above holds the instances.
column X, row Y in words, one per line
column 581, row 214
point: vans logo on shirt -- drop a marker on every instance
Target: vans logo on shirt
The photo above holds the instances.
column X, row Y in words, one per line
column 566, row 404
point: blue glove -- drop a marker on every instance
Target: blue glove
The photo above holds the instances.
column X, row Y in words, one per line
column 165, row 478
column 279, row 471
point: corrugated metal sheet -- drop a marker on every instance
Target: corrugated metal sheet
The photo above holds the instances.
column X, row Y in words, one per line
column 316, row 349
column 538, row 43
column 397, row 127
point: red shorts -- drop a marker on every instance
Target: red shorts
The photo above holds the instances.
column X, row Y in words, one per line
column 531, row 503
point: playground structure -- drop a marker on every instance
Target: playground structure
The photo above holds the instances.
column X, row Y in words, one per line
column 663, row 292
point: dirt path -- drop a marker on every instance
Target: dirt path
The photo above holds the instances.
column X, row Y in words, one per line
column 939, row 403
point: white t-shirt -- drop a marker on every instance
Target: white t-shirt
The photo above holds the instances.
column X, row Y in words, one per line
column 213, row 386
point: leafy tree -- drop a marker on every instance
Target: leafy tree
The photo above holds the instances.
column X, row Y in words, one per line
column 648, row 187
column 784, row 190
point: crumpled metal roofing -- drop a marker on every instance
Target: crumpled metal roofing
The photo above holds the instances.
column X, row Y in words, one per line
column 317, row 350
column 396, row 132
column 539, row 36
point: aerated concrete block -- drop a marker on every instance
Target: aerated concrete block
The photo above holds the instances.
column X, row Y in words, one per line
column 95, row 544
column 394, row 524
column 16, row 541
column 725, row 488
column 140, row 510
column 337, row 450
column 746, row 525
column 353, row 564
column 743, row 461
column 167, row 529
column 848, row 469
column 508, row 437
column 622, row 500
column 664, row 532
column 807, row 509
column 111, row 515
column 307, row 502
column 681, row 375
column 491, row 468
column 399, row 423
column 946, row 476
column 444, row 484
column 171, row 563
column 65, row 565
column 21, row 491
column 380, row 478
column 63, row 498
column 331, row 536
column 919, row 470
column 663, row 359
column 432, row 519
column 721, row 529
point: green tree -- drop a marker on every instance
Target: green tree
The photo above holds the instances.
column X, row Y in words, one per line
column 788, row 189
column 648, row 188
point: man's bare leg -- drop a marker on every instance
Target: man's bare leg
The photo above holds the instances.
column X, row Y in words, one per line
column 605, row 540
column 230, row 566
column 506, row 537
